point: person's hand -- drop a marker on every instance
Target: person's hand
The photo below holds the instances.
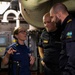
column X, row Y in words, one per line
column 7, row 55
column 32, row 60
column 42, row 62
column 11, row 51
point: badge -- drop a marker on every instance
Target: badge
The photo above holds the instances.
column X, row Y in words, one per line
column 69, row 35
column 45, row 41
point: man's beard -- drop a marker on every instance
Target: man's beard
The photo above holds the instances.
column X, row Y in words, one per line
column 58, row 23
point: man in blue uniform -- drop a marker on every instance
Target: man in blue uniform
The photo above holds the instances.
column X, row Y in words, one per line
column 19, row 53
column 59, row 13
column 50, row 46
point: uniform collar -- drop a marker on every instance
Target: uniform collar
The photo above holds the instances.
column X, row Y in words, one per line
column 66, row 21
column 51, row 33
column 17, row 43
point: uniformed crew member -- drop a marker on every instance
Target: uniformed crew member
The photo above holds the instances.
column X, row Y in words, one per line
column 59, row 13
column 19, row 53
column 50, row 46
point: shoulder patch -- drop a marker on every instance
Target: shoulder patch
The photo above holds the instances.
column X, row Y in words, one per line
column 69, row 35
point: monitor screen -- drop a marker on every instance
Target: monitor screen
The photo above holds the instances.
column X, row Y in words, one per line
column 3, row 40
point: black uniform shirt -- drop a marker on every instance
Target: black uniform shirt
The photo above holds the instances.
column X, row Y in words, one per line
column 50, row 42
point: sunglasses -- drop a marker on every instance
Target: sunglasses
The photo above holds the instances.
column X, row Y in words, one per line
column 22, row 31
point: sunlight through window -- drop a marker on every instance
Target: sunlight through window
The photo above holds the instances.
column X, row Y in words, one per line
column 4, row 6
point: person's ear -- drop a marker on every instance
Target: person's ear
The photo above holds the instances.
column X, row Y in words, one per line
column 16, row 36
column 58, row 15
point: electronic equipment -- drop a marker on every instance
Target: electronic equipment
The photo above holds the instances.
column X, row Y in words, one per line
column 5, row 40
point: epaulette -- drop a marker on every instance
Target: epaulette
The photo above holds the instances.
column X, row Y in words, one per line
column 69, row 20
column 13, row 45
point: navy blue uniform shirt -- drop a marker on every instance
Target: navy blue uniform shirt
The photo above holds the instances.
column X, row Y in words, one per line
column 21, row 55
column 67, row 60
